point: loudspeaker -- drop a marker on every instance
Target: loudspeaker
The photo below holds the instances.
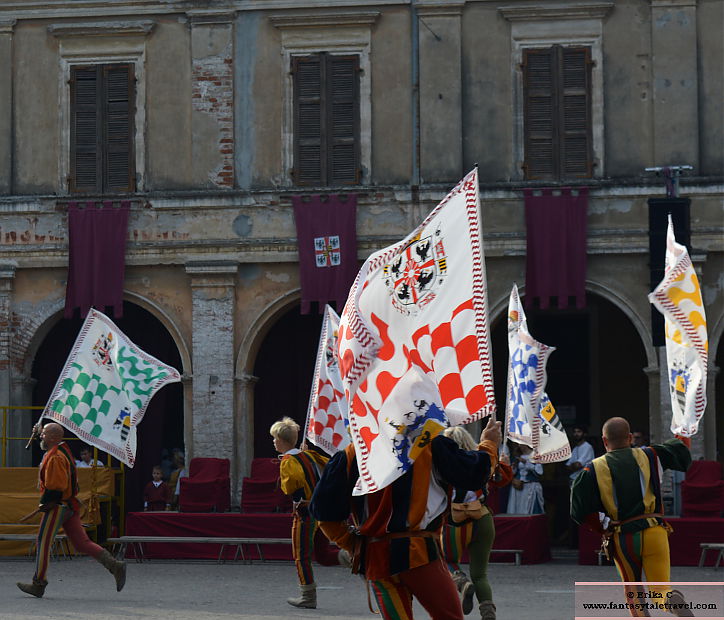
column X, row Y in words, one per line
column 659, row 209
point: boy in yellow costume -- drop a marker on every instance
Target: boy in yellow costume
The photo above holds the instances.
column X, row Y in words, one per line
column 299, row 473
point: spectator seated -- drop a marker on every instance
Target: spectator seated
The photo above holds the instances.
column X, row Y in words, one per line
column 207, row 488
column 702, row 493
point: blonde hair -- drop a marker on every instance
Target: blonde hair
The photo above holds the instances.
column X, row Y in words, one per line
column 285, row 429
column 461, row 437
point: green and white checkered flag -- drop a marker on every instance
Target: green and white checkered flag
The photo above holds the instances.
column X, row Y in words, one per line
column 105, row 387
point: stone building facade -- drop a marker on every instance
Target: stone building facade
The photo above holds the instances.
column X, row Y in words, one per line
column 441, row 86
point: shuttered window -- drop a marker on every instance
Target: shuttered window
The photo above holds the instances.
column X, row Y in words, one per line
column 101, row 129
column 326, row 120
column 557, row 114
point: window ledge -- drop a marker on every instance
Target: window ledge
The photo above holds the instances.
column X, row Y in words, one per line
column 366, row 18
column 132, row 28
column 536, row 12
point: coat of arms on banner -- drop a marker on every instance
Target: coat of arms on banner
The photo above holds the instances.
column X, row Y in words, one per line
column 105, row 387
column 414, row 350
column 327, row 251
column 414, row 275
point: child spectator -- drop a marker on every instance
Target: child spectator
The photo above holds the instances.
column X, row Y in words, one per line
column 156, row 493
column 299, row 473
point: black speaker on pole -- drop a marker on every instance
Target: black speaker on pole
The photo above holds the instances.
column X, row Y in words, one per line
column 659, row 209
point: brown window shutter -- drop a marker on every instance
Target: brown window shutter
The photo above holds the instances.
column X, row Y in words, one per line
column 309, row 138
column 540, row 114
column 86, row 151
column 343, row 119
column 118, row 92
column 575, row 106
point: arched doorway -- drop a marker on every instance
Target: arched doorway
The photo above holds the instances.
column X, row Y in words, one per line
column 163, row 422
column 284, row 367
column 596, row 372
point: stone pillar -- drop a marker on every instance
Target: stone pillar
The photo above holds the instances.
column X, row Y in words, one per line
column 7, row 275
column 212, row 98
column 709, row 428
column 441, row 120
column 6, row 105
column 675, row 82
column 652, row 374
column 212, row 418
column 245, row 384
column 22, row 421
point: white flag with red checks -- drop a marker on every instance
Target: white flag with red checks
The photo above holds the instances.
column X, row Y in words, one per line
column 414, row 343
column 327, row 415
column 530, row 417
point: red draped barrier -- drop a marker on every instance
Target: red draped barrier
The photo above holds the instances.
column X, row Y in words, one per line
column 684, row 542
column 529, row 533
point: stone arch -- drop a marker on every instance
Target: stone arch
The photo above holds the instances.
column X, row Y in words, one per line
column 617, row 299
column 32, row 330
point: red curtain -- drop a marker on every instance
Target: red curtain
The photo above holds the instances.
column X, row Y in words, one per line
column 327, row 237
column 556, row 249
column 96, row 256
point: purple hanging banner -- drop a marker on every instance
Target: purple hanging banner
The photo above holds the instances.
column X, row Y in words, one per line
column 96, row 257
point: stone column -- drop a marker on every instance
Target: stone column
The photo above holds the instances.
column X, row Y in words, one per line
column 652, row 374
column 675, row 82
column 21, row 421
column 245, row 384
column 441, row 124
column 212, row 418
column 6, row 105
column 709, row 428
column 7, row 275
column 212, row 99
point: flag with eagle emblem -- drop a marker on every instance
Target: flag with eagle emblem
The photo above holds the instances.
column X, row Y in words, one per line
column 105, row 387
column 530, row 417
column 414, row 343
column 678, row 298
column 327, row 413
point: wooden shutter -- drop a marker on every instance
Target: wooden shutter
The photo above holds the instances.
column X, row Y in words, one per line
column 557, row 116
column 343, row 119
column 326, row 119
column 101, row 145
column 575, row 106
column 541, row 140
column 86, row 149
column 119, row 169
column 309, row 138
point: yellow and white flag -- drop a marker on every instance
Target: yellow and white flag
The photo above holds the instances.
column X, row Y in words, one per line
column 678, row 298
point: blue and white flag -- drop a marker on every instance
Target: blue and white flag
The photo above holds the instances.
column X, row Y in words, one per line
column 530, row 417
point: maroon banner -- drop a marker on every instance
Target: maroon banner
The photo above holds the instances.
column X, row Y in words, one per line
column 96, row 256
column 556, row 252
column 327, row 237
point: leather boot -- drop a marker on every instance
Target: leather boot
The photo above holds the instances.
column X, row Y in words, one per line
column 37, row 588
column 117, row 568
column 677, row 598
column 487, row 610
column 308, row 598
column 344, row 558
column 466, row 589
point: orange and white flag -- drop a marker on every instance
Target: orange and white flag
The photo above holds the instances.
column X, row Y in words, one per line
column 678, row 298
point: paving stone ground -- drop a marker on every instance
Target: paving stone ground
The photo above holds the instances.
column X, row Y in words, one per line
column 184, row 590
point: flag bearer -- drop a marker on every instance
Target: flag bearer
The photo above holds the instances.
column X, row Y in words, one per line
column 60, row 507
column 299, row 473
column 625, row 485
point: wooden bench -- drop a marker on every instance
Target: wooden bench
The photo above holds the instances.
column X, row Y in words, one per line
column 517, row 552
column 706, row 547
column 60, row 543
column 139, row 541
